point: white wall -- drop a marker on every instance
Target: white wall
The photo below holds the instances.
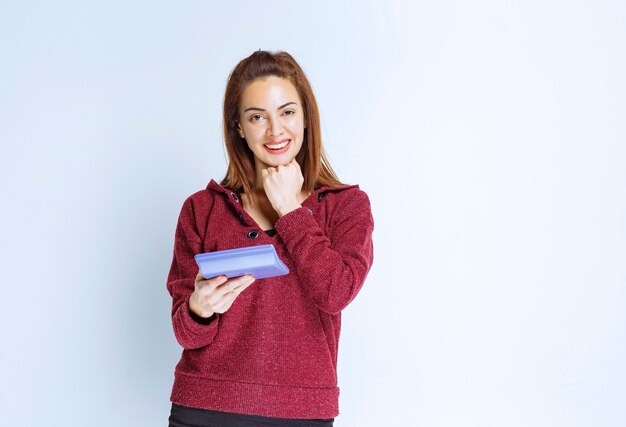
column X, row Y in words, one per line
column 490, row 136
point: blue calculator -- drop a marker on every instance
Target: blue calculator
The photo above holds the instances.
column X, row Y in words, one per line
column 261, row 261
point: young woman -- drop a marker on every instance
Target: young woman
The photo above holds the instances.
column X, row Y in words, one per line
column 264, row 352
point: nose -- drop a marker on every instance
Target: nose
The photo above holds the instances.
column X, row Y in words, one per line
column 275, row 127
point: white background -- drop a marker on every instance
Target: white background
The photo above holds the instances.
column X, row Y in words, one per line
column 490, row 137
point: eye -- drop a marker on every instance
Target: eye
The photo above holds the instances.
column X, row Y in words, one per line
column 290, row 111
column 253, row 117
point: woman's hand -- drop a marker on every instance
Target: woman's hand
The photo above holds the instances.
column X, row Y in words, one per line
column 282, row 186
column 217, row 294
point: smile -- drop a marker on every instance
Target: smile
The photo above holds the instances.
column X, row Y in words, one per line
column 278, row 148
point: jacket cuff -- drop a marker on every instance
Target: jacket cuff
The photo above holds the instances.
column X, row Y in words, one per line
column 291, row 225
column 191, row 333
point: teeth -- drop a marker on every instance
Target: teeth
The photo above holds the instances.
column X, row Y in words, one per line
column 277, row 146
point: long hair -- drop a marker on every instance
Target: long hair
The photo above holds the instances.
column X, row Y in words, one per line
column 241, row 173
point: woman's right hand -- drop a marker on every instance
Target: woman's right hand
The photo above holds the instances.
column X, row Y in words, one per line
column 217, row 294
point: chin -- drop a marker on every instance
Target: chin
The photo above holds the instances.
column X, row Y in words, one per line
column 281, row 162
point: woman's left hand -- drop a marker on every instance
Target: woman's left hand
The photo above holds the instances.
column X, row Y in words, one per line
column 282, row 185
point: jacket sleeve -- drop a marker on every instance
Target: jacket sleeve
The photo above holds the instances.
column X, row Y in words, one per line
column 189, row 333
column 332, row 269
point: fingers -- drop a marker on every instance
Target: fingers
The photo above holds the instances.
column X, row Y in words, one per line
column 217, row 294
column 235, row 284
column 213, row 282
column 225, row 295
column 221, row 285
column 277, row 169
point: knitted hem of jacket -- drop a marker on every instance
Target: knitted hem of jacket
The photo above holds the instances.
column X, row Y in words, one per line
column 243, row 398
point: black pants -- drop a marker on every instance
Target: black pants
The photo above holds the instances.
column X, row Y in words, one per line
column 183, row 416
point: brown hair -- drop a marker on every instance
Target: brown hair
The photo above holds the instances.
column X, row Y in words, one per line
column 312, row 159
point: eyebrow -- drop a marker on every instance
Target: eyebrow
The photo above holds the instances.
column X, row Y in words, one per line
column 261, row 109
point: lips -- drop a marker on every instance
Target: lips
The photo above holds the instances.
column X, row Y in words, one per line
column 279, row 150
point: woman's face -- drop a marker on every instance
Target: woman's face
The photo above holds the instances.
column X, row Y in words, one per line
column 271, row 119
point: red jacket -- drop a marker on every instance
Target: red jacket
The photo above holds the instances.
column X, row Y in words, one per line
column 274, row 352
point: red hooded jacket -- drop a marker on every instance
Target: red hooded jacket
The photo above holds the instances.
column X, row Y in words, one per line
column 274, row 352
